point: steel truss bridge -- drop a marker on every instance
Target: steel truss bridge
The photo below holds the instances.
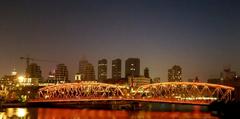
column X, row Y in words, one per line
column 168, row 92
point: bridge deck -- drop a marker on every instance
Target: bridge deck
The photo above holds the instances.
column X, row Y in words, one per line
column 195, row 102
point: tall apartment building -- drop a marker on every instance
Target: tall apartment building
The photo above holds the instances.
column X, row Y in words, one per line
column 35, row 73
column 82, row 65
column 61, row 74
column 132, row 67
column 116, row 69
column 86, row 71
column 175, row 74
column 102, row 69
column 89, row 73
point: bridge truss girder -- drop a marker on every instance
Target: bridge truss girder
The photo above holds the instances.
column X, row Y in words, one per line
column 81, row 90
column 182, row 92
column 185, row 91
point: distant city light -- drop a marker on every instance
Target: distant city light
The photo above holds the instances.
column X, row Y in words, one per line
column 21, row 79
column 21, row 112
column 14, row 73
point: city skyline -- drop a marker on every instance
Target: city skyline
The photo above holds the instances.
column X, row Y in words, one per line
column 201, row 36
column 109, row 72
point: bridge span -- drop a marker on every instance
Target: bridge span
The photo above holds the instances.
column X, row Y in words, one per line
column 167, row 92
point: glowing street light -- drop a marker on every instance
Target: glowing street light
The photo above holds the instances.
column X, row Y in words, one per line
column 21, row 79
column 21, row 112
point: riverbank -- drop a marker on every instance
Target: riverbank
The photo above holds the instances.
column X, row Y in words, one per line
column 13, row 105
column 112, row 106
column 225, row 110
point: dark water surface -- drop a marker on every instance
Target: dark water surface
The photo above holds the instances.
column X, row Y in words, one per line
column 157, row 112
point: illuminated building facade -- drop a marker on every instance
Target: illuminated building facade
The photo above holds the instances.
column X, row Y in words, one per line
column 78, row 77
column 51, row 77
column 116, row 69
column 175, row 74
column 86, row 70
column 138, row 81
column 102, row 69
column 61, row 74
column 89, row 73
column 35, row 73
column 132, row 67
column 9, row 81
column 82, row 65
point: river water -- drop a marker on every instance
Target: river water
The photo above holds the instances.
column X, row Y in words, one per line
column 161, row 112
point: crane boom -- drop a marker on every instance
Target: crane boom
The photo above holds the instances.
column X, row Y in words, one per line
column 28, row 59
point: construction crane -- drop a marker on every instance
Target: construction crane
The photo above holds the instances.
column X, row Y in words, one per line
column 28, row 59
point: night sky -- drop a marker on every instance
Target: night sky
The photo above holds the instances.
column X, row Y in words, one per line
column 202, row 36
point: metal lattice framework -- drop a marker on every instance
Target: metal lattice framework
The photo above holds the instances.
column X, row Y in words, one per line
column 86, row 90
column 170, row 92
column 193, row 92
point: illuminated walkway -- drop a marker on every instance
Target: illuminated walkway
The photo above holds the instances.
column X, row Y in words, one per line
column 169, row 92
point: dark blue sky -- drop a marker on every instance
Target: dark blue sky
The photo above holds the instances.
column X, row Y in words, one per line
column 202, row 36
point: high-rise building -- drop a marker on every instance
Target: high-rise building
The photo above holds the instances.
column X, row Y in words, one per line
column 132, row 67
column 82, row 65
column 102, row 69
column 61, row 74
column 89, row 73
column 175, row 74
column 116, row 69
column 146, row 73
column 35, row 73
column 86, row 71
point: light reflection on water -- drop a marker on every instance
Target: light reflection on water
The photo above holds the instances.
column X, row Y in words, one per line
column 14, row 113
column 63, row 113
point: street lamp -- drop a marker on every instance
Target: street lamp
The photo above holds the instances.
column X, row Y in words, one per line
column 21, row 79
